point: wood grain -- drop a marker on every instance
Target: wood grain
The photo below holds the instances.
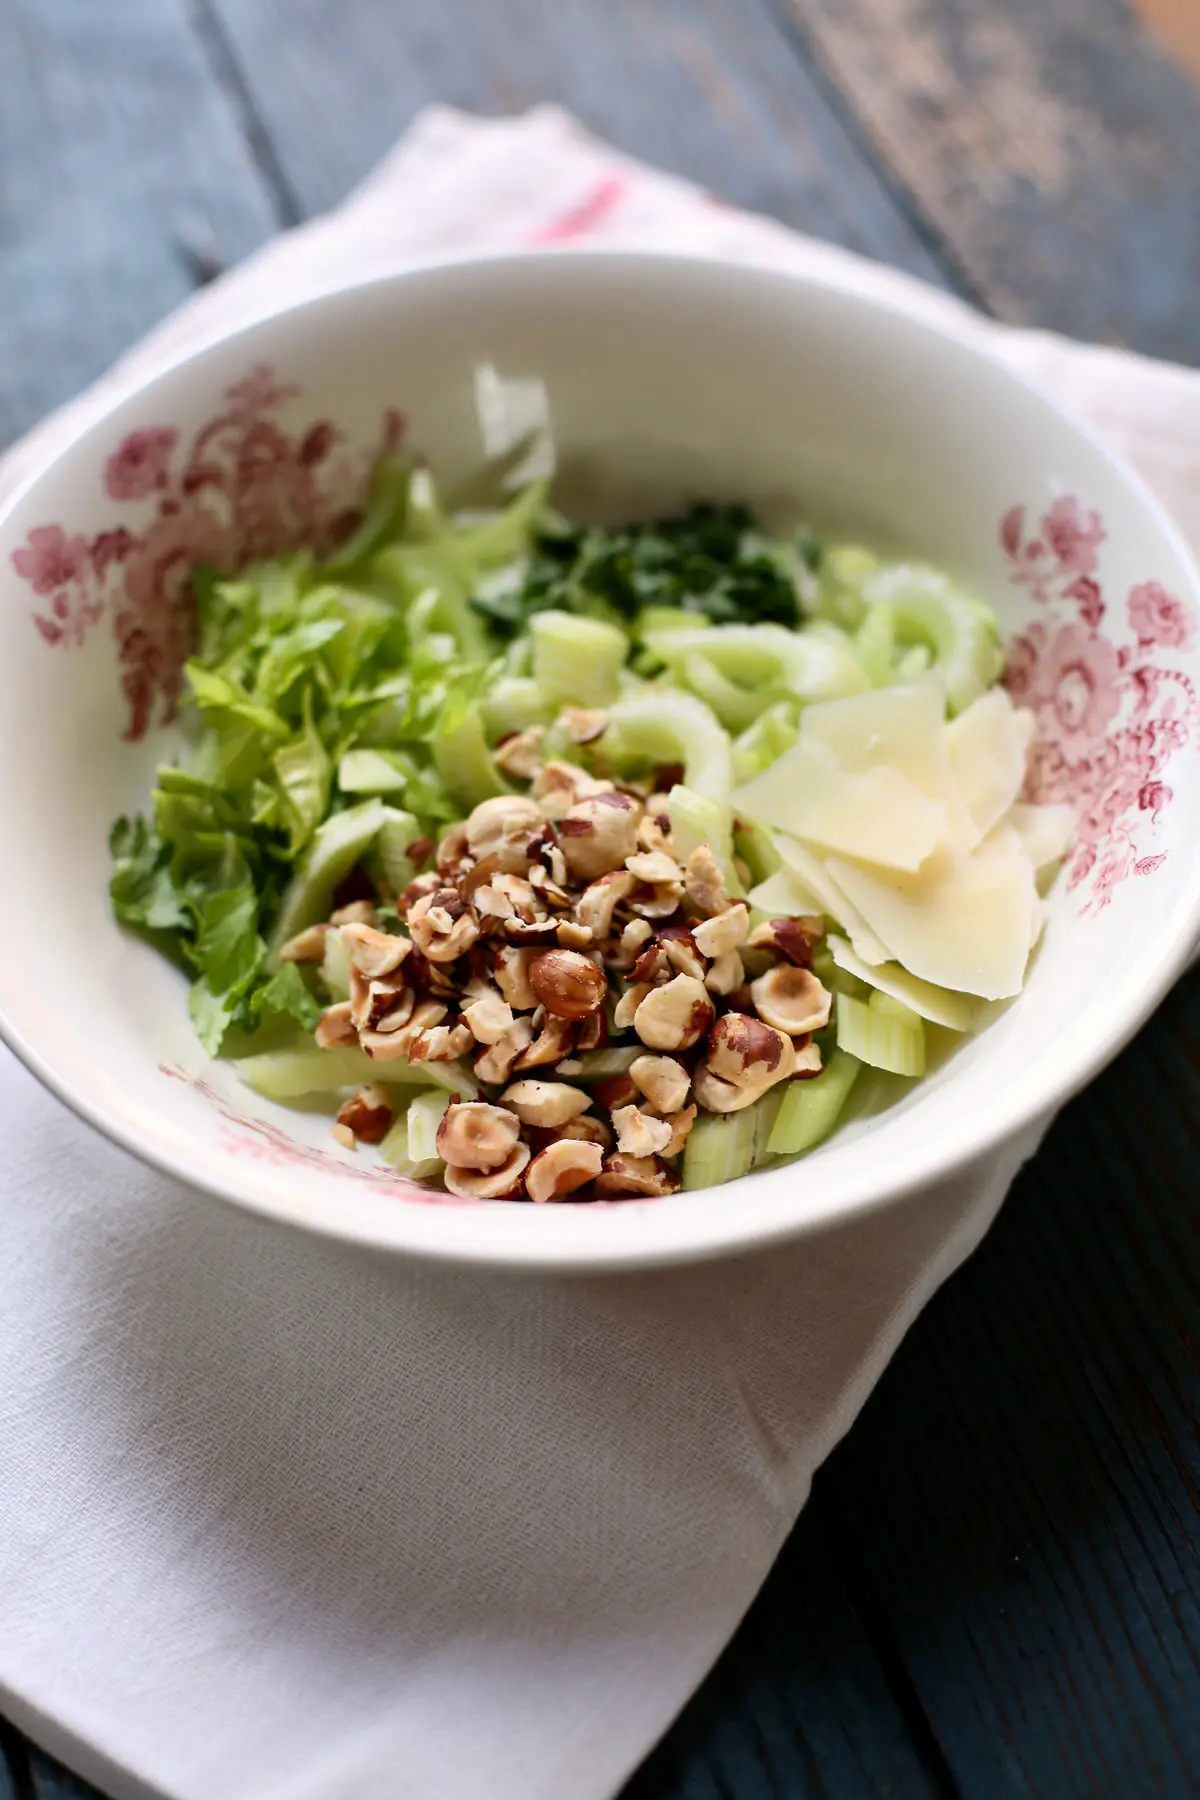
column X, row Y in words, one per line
column 798, row 1707
column 1053, row 149
column 119, row 158
column 1021, row 1496
column 712, row 89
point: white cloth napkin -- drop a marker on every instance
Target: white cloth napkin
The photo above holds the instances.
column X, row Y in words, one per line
column 279, row 1520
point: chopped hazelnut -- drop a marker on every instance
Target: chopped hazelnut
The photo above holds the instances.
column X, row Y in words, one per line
column 681, row 952
column 792, row 939
column 531, row 933
column 792, row 999
column 520, row 753
column 726, row 974
column 489, row 1018
column 598, row 833
column 374, row 1002
column 588, row 1130
column 703, row 883
column 599, row 901
column 562, row 1168
column 664, row 1081
column 573, row 936
column 808, row 1062
column 392, row 1045
column 355, row 912
column 638, row 1134
column 495, row 1064
column 724, row 931
column 336, row 1027
column 373, row 953
column 344, row 1135
column 627, row 1005
column 681, row 1124
column 306, row 947
column 416, row 890
column 442, row 926
column 555, row 1039
column 653, row 866
column 502, row 827
column 647, row 1175
column 545, row 1102
column 634, row 936
column 441, row 1043
column 567, row 983
column 489, row 1184
column 583, row 725
column 751, row 1055
column 475, row 1135
column 674, row 1016
column 452, row 852
column 558, row 785
column 511, row 968
column 368, row 1113
column 612, row 1091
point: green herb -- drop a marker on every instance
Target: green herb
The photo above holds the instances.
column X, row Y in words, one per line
column 709, row 562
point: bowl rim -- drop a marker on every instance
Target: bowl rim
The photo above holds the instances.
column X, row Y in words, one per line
column 731, row 1235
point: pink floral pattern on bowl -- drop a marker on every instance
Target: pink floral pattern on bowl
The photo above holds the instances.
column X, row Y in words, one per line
column 244, row 486
column 1110, row 715
column 263, row 1141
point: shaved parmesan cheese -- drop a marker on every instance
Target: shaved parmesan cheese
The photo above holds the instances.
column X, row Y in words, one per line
column 834, row 903
column 935, row 1003
column 987, row 746
column 879, row 816
column 1045, row 831
column 899, row 728
column 968, row 928
column 783, row 895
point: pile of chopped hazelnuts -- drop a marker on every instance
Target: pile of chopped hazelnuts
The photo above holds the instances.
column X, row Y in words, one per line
column 555, row 925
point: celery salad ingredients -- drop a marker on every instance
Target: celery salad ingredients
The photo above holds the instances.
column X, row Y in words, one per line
column 572, row 862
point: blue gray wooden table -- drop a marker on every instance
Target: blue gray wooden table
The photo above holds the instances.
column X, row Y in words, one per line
column 995, row 1592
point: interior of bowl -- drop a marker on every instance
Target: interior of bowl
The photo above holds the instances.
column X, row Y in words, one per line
column 655, row 381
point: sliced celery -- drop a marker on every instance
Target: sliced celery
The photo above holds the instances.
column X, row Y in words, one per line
column 697, row 820
column 335, row 967
column 337, row 846
column 387, row 506
column 811, row 1109
column 513, row 704
column 765, row 1112
column 576, row 661
column 597, row 1064
column 389, row 861
column 844, row 570
column 929, row 611
column 425, row 1114
column 663, row 725
column 762, row 743
column 719, row 1148
column 879, row 1038
column 875, row 642
column 394, row 1151
column 940, row 1005
column 463, row 760
column 888, row 1007
column 289, row 1074
column 754, row 847
column 373, row 772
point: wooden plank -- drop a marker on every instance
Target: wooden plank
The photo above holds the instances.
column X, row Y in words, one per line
column 712, row 89
column 1046, row 143
column 1021, row 1496
column 797, row 1706
column 121, row 162
column 13, row 1771
column 50, row 1781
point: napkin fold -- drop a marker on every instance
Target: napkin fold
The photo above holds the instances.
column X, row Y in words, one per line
column 281, row 1519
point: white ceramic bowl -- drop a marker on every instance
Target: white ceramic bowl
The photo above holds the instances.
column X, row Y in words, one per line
column 666, row 379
